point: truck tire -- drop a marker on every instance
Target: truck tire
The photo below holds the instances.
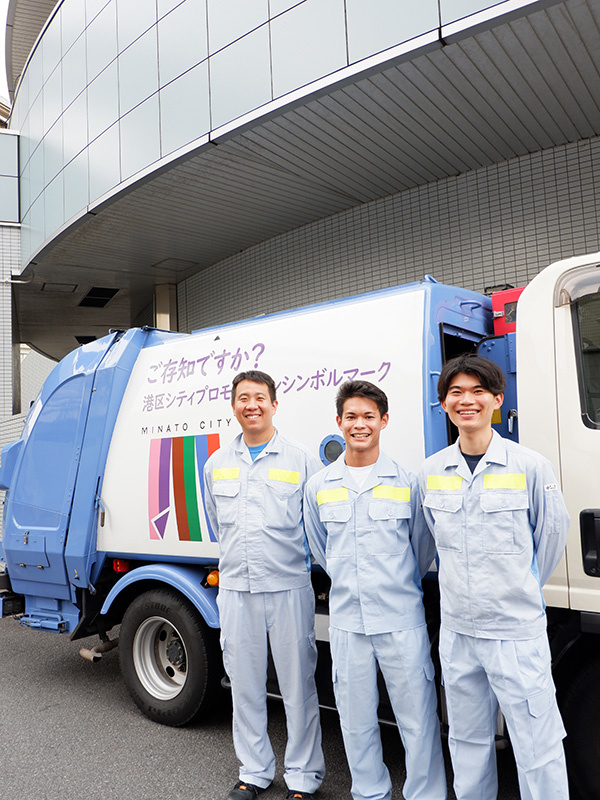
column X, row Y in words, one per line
column 581, row 713
column 170, row 658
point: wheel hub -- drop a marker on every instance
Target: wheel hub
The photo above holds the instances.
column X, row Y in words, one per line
column 160, row 658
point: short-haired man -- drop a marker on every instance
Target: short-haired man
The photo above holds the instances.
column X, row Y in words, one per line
column 366, row 529
column 500, row 525
column 254, row 501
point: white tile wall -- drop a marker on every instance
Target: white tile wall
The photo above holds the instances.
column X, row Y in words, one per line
column 10, row 430
column 495, row 225
column 10, row 252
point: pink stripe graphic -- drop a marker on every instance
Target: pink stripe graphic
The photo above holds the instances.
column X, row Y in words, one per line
column 153, row 486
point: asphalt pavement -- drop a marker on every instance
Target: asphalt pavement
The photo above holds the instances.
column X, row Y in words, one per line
column 69, row 731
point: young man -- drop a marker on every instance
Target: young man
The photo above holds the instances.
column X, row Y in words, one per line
column 254, row 503
column 366, row 529
column 500, row 525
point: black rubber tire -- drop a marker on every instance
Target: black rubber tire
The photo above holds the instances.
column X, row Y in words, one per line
column 581, row 714
column 170, row 659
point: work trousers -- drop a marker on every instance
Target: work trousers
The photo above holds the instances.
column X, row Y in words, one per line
column 285, row 620
column 405, row 663
column 480, row 674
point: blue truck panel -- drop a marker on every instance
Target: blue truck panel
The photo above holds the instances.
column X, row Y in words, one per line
column 451, row 315
column 502, row 351
column 50, row 490
column 110, row 381
column 186, row 579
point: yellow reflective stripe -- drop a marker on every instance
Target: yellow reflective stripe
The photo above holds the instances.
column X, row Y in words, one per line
column 444, row 483
column 507, row 481
column 401, row 493
column 284, row 475
column 226, row 473
column 497, row 416
column 332, row 496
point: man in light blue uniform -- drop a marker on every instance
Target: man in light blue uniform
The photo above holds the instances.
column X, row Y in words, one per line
column 366, row 529
column 500, row 526
column 254, row 498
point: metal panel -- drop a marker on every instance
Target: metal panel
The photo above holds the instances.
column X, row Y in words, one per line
column 487, row 97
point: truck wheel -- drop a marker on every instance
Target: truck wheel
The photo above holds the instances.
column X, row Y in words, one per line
column 170, row 658
column 581, row 713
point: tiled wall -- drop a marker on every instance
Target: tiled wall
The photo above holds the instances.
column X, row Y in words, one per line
column 9, row 261
column 9, row 177
column 10, row 430
column 495, row 225
column 35, row 368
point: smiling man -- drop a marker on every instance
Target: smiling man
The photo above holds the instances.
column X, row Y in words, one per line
column 500, row 526
column 366, row 529
column 254, row 502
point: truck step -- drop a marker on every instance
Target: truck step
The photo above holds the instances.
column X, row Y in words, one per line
column 45, row 621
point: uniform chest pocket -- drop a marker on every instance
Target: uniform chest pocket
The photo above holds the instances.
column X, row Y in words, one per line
column 283, row 507
column 340, row 540
column 389, row 534
column 445, row 509
column 227, row 501
column 506, row 526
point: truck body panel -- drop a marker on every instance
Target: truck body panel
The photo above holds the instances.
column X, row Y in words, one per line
column 564, row 423
column 178, row 404
column 110, row 461
column 41, row 486
column 186, row 579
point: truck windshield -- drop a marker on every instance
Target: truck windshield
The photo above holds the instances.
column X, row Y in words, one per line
column 587, row 337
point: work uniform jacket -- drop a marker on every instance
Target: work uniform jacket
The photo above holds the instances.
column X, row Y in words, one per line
column 500, row 533
column 255, row 507
column 373, row 543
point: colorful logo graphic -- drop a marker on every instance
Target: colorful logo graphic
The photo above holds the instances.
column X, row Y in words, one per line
column 177, row 463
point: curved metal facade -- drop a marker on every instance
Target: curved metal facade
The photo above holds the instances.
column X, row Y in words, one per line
column 114, row 90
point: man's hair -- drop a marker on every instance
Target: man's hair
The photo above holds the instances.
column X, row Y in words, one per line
column 489, row 374
column 257, row 377
column 364, row 389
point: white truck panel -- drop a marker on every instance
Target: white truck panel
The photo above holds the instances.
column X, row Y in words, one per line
column 550, row 419
column 181, row 389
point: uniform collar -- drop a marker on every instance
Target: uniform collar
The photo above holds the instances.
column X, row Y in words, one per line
column 495, row 454
column 384, row 467
column 273, row 446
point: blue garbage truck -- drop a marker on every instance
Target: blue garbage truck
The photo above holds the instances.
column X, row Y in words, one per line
column 104, row 526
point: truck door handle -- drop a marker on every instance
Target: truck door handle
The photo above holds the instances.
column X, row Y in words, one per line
column 589, row 525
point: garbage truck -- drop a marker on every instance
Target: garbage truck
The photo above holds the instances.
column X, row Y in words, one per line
column 104, row 527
